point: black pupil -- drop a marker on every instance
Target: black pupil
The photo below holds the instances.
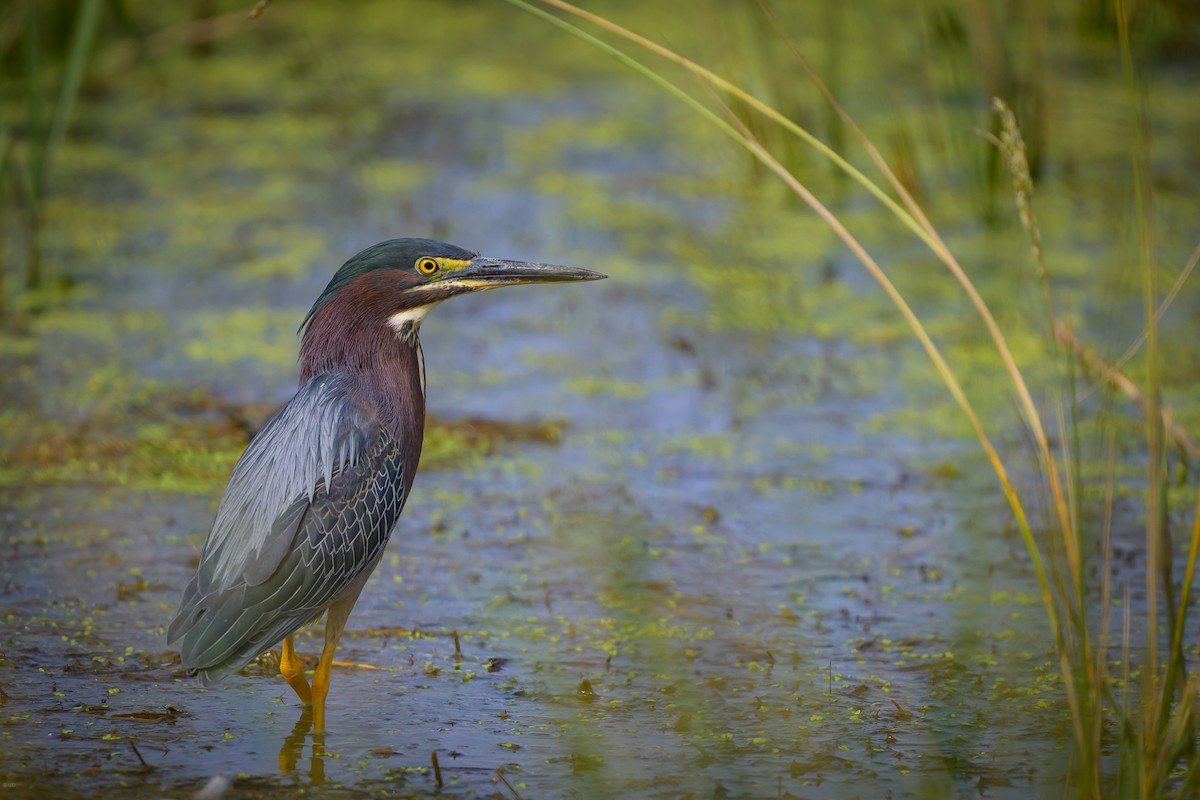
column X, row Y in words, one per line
column 427, row 265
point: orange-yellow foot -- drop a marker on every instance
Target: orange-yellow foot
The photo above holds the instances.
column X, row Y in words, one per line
column 320, row 689
column 292, row 670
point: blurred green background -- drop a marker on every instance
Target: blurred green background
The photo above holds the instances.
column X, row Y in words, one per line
column 709, row 528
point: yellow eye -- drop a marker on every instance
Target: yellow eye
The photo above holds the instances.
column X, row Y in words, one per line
column 427, row 265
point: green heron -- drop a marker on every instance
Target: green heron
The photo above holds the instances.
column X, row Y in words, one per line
column 313, row 499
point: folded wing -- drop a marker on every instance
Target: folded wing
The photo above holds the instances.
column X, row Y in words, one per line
column 308, row 510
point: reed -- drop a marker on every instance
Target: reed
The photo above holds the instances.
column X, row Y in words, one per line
column 1151, row 700
column 28, row 151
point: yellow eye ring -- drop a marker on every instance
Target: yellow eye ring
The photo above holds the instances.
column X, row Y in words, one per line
column 427, row 265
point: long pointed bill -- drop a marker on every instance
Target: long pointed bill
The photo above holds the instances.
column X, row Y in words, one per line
column 488, row 273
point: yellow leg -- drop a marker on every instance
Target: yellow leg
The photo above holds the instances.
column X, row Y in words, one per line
column 321, row 686
column 293, row 671
column 335, row 623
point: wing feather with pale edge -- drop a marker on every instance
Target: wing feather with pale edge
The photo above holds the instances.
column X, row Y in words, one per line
column 309, row 507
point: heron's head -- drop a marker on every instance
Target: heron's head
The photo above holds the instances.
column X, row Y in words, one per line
column 400, row 280
column 381, row 295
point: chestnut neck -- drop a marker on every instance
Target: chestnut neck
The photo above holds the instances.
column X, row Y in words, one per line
column 350, row 333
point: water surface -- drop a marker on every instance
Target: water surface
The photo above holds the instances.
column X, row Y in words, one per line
column 708, row 528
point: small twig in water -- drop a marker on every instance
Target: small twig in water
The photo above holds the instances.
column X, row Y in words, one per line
column 138, row 753
column 437, row 770
column 357, row 665
column 504, row 780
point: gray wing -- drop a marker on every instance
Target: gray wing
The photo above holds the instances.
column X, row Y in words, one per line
column 308, row 509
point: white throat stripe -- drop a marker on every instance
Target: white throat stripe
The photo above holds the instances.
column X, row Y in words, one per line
column 408, row 321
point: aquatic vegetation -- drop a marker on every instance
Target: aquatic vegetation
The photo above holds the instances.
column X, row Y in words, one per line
column 720, row 532
column 1157, row 719
column 27, row 153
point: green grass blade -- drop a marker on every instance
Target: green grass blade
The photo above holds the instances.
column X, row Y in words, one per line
column 910, row 317
column 86, row 23
column 31, row 58
column 913, row 218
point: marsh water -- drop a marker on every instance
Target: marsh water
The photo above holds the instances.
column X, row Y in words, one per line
column 709, row 528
